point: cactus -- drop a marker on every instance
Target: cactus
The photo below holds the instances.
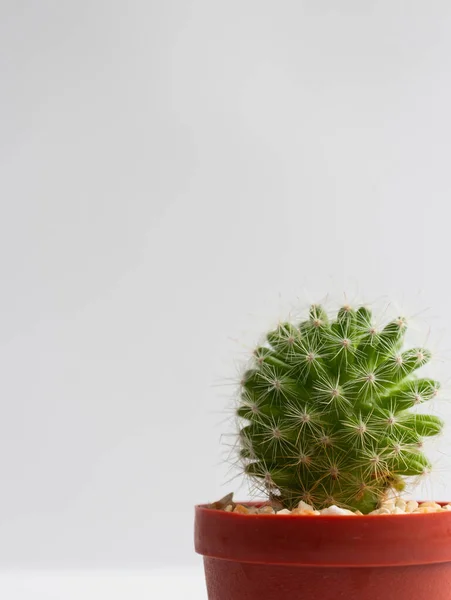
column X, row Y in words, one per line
column 325, row 411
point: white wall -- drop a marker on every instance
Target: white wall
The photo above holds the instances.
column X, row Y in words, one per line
column 170, row 172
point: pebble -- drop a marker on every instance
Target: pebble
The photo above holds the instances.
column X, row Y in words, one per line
column 397, row 506
column 411, row 506
column 300, row 511
column 381, row 511
column 430, row 505
column 239, row 508
column 335, row 510
column 398, row 511
column 224, row 502
column 304, row 506
column 401, row 504
column 266, row 510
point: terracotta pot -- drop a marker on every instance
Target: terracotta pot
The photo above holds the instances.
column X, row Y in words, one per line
column 293, row 557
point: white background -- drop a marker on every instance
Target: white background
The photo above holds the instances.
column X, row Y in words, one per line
column 172, row 175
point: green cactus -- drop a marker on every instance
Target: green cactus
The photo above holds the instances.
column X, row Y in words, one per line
column 324, row 411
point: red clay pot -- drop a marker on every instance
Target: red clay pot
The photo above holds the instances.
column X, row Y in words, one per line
column 294, row 557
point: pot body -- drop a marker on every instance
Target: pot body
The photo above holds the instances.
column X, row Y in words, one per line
column 230, row 580
column 293, row 557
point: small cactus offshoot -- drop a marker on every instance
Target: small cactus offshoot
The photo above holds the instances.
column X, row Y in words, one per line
column 325, row 411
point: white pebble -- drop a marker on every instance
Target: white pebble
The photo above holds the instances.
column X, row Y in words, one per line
column 284, row 511
column 430, row 505
column 335, row 510
column 411, row 506
column 401, row 503
column 398, row 511
column 380, row 511
column 304, row 506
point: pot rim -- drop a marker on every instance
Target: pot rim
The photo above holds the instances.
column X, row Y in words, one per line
column 326, row 540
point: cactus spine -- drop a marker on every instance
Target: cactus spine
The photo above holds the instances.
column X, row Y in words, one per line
column 325, row 411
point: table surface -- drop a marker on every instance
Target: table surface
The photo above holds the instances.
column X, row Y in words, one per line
column 164, row 584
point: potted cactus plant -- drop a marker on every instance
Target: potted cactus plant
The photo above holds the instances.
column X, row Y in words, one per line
column 329, row 431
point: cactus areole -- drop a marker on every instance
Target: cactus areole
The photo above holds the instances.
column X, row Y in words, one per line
column 327, row 415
